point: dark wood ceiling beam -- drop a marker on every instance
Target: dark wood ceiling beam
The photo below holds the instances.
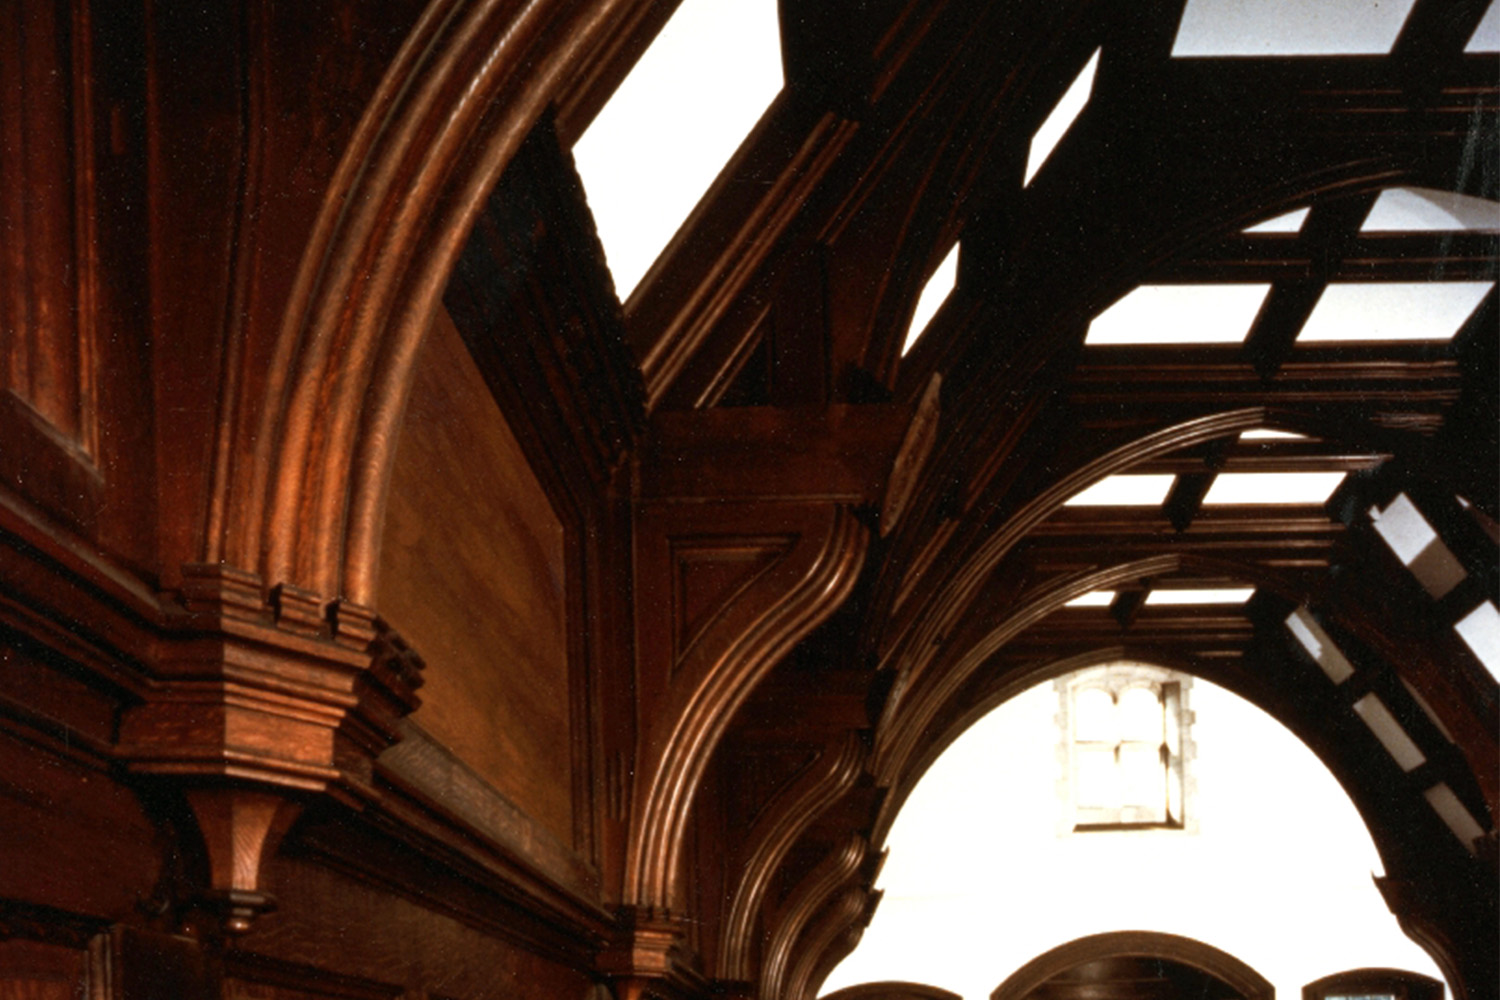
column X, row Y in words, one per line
column 1366, row 257
column 1327, row 232
column 1080, row 551
column 1205, row 629
column 1435, row 34
column 1126, row 605
column 1317, row 380
column 1242, row 458
column 1186, row 497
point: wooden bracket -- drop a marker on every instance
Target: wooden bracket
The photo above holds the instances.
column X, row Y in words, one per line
column 240, row 828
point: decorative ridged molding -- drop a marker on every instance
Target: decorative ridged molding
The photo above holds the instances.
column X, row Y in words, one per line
column 950, row 603
column 467, row 86
column 900, row 731
column 723, row 666
column 836, row 871
column 941, row 612
column 790, row 812
column 907, row 723
column 1245, row 981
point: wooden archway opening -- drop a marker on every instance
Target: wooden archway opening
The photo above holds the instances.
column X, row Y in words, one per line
column 1085, row 964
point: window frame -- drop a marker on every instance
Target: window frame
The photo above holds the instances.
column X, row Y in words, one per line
column 1171, row 689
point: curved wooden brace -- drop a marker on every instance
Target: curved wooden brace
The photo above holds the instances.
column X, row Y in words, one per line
column 790, row 812
column 811, row 894
column 898, row 739
column 971, row 408
column 836, row 931
column 964, row 585
column 1136, row 944
column 717, row 672
column 961, row 590
column 917, row 650
column 463, row 92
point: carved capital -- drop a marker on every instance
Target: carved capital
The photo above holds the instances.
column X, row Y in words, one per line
column 387, row 692
column 649, row 958
column 237, row 697
column 256, row 700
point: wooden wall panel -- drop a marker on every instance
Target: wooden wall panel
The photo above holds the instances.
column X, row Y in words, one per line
column 30, row 970
column 70, row 837
column 47, row 365
column 472, row 574
column 349, row 932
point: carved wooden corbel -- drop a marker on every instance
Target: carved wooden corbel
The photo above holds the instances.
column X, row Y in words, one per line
column 790, row 812
column 832, row 936
column 1459, row 938
column 257, row 702
column 746, row 540
column 839, row 870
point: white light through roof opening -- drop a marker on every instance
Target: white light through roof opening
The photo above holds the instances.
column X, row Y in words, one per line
column 1286, row 223
column 1272, row 487
column 1179, row 314
column 1480, row 629
column 670, row 127
column 1093, row 599
column 1062, row 117
column 1201, row 595
column 1124, row 491
column 1486, row 37
column 934, row 294
column 1423, row 210
column 1290, row 27
column 1393, row 311
column 1269, row 434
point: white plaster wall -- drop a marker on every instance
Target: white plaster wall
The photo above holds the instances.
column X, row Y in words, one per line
column 1278, row 874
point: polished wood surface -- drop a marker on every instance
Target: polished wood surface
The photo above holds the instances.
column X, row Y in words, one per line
column 388, row 610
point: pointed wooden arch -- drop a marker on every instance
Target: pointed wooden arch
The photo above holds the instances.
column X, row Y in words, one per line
column 304, row 496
